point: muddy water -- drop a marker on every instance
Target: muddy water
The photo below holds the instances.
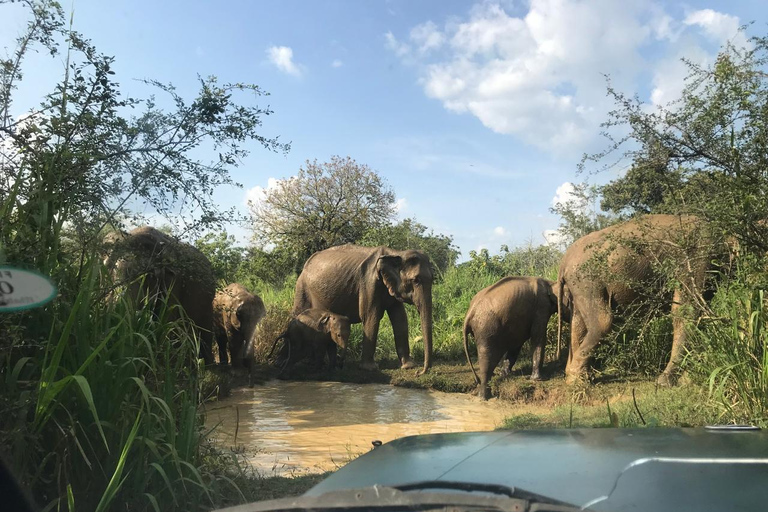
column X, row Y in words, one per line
column 296, row 427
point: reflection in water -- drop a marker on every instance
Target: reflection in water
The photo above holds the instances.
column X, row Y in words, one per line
column 289, row 427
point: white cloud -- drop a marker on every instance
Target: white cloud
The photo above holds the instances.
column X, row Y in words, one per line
column 540, row 76
column 401, row 205
column 282, row 58
column 500, row 231
column 254, row 195
column 336, row 63
column 427, row 37
column 564, row 194
column 719, row 26
column 400, row 49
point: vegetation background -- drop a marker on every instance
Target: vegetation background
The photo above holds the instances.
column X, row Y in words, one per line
column 101, row 399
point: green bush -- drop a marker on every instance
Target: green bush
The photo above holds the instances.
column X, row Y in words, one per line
column 729, row 353
column 107, row 417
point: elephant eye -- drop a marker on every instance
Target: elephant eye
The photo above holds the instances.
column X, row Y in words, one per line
column 416, row 280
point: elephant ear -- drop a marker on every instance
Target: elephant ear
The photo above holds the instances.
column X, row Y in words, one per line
column 388, row 268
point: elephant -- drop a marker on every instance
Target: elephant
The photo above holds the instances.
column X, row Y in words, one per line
column 502, row 317
column 236, row 313
column 639, row 258
column 362, row 283
column 152, row 264
column 317, row 332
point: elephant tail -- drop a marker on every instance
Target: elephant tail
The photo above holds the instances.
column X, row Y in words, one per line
column 466, row 332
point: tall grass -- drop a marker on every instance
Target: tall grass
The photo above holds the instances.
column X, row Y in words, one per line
column 107, row 418
column 731, row 354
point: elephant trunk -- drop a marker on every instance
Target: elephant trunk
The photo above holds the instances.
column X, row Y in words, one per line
column 424, row 305
column 249, row 337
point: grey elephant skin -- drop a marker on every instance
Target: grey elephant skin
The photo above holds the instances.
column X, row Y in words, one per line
column 236, row 314
column 153, row 264
column 315, row 332
column 501, row 318
column 363, row 283
column 629, row 256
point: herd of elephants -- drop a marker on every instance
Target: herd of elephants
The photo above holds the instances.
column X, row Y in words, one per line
column 600, row 274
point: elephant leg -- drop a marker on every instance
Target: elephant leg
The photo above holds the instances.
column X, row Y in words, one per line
column 370, row 334
column 206, row 348
column 510, row 358
column 399, row 320
column 669, row 375
column 538, row 340
column 489, row 353
column 330, row 348
column 596, row 323
column 318, row 355
column 222, row 345
column 506, row 365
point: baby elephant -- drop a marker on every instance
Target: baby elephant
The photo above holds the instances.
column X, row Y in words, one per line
column 315, row 332
column 502, row 317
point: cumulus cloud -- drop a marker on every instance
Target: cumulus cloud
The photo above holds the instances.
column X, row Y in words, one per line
column 282, row 58
column 336, row 63
column 500, row 231
column 719, row 26
column 427, row 37
column 540, row 76
column 400, row 49
column 564, row 194
column 400, row 205
column 254, row 195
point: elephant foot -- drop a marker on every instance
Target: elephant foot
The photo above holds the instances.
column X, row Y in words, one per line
column 575, row 378
column 482, row 392
column 370, row 367
column 667, row 380
column 536, row 378
column 406, row 363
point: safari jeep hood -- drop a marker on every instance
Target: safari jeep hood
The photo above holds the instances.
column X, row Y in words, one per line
column 636, row 469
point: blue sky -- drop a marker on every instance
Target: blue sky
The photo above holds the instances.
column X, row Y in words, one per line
column 475, row 112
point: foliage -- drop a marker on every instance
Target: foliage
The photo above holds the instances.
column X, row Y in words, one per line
column 705, row 153
column 325, row 204
column 226, row 258
column 268, row 268
column 410, row 234
column 527, row 260
column 107, row 416
column 82, row 158
column 579, row 215
column 730, row 351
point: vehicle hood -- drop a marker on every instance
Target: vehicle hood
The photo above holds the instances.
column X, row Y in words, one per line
column 695, row 469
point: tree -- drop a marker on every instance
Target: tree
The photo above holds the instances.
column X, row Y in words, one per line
column 705, row 154
column 225, row 257
column 410, row 234
column 88, row 156
column 579, row 215
column 325, row 204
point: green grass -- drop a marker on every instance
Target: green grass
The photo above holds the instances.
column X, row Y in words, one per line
column 107, row 417
column 613, row 406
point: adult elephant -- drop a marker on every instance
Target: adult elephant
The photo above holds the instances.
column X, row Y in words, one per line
column 362, row 283
column 236, row 313
column 653, row 257
column 502, row 317
column 152, row 264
